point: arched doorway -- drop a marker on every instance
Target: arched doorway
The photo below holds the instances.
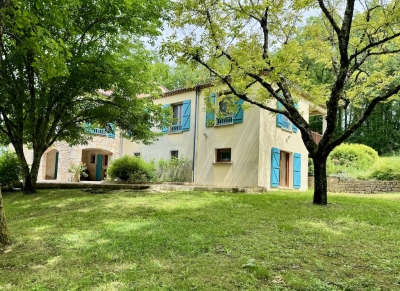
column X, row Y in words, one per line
column 96, row 161
column 50, row 170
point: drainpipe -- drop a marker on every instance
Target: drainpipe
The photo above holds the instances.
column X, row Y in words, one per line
column 195, row 134
column 121, row 147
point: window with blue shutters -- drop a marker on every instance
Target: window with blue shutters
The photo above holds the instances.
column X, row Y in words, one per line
column 296, row 171
column 281, row 120
column 225, row 116
column 181, row 117
column 275, row 167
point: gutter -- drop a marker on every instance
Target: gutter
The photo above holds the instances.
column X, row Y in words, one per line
column 197, row 89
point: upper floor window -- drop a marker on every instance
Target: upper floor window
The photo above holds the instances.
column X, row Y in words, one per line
column 225, row 115
column 181, row 117
column 283, row 122
column 177, row 117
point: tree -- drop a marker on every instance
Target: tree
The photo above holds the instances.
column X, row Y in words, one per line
column 4, row 234
column 270, row 53
column 56, row 55
column 181, row 75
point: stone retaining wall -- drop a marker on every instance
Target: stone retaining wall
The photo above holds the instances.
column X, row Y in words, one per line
column 358, row 186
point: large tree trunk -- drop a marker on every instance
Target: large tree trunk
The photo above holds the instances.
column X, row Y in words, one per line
column 30, row 176
column 320, row 181
column 4, row 234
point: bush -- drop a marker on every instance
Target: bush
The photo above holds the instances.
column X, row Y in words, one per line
column 386, row 169
column 351, row 157
column 10, row 169
column 175, row 170
column 131, row 168
column 310, row 167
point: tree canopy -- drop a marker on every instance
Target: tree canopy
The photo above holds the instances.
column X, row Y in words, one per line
column 264, row 50
column 56, row 55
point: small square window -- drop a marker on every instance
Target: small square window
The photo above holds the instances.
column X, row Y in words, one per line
column 92, row 158
column 136, row 154
column 223, row 155
column 174, row 154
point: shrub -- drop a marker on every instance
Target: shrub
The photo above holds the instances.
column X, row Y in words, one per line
column 351, row 157
column 386, row 169
column 310, row 167
column 10, row 169
column 175, row 170
column 131, row 168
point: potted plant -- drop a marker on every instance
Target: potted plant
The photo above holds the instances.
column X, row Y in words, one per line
column 77, row 170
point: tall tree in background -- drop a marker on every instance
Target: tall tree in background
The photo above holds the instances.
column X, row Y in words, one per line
column 258, row 41
column 56, row 55
column 180, row 75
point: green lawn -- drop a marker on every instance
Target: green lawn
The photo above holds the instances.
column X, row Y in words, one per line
column 74, row 240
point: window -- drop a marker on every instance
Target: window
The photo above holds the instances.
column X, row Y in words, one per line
column 92, row 158
column 224, row 116
column 177, row 115
column 105, row 160
column 283, row 122
column 181, row 117
column 174, row 154
column 223, row 155
column 136, row 154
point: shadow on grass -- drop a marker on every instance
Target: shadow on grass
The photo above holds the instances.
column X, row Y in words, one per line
column 204, row 241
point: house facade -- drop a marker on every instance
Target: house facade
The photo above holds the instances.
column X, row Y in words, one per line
column 248, row 148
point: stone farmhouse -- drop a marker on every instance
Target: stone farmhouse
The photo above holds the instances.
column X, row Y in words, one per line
column 250, row 148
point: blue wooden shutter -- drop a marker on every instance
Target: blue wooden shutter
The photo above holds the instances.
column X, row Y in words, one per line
column 294, row 127
column 296, row 171
column 165, row 129
column 275, row 167
column 279, row 116
column 186, row 115
column 238, row 116
column 112, row 134
column 210, row 113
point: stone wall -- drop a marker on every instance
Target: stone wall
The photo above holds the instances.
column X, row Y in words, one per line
column 69, row 155
column 358, row 186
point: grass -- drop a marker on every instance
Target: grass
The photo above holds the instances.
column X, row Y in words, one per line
column 74, row 240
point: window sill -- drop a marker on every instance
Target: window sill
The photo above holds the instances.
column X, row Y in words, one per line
column 175, row 132
column 222, row 163
column 286, row 129
column 223, row 124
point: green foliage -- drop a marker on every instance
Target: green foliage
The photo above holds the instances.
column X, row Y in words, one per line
column 66, row 62
column 180, row 75
column 175, row 170
column 10, row 169
column 78, row 169
column 310, row 167
column 131, row 168
column 349, row 157
column 386, row 169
